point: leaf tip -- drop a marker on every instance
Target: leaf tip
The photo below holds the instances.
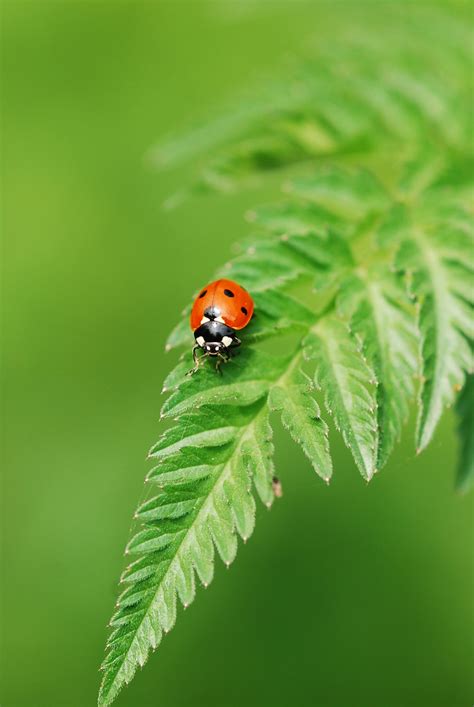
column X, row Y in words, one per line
column 369, row 474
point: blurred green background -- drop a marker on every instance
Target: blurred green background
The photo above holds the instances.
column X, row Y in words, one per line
column 348, row 595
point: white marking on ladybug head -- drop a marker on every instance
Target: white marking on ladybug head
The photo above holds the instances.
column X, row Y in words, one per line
column 200, row 341
column 214, row 347
column 219, row 319
column 204, row 320
column 226, row 340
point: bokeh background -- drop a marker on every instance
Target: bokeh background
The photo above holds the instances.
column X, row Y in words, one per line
column 349, row 595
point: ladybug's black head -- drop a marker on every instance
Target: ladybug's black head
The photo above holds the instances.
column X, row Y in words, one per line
column 213, row 348
column 214, row 337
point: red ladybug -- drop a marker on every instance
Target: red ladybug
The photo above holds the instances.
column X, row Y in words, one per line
column 220, row 309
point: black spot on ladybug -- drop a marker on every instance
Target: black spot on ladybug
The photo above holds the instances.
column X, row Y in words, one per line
column 228, row 293
column 204, row 292
column 244, row 311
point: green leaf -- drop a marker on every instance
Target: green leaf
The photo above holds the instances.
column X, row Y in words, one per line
column 348, row 387
column 257, row 454
column 363, row 285
column 360, row 341
column 439, row 265
column 385, row 322
column 181, row 529
column 301, row 416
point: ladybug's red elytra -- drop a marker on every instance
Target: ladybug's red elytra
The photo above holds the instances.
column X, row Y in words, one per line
column 220, row 309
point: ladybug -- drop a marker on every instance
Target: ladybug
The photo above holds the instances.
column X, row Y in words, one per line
column 220, row 309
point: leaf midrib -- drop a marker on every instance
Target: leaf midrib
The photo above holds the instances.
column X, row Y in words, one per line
column 438, row 291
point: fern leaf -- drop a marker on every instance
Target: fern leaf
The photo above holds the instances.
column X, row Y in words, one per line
column 369, row 271
column 363, row 363
column 257, row 454
column 348, row 386
column 301, row 416
column 181, row 526
column 381, row 314
column 441, row 279
column 220, row 445
column 205, row 497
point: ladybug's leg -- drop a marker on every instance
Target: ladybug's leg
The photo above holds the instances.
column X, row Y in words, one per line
column 196, row 361
column 223, row 356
